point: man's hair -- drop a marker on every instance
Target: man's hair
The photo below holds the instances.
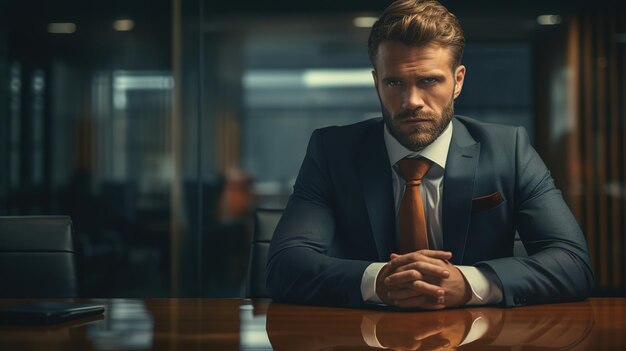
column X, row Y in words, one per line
column 418, row 23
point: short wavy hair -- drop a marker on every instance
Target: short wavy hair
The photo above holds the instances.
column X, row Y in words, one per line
column 418, row 23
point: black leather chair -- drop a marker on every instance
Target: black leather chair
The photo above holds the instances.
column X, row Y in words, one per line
column 519, row 250
column 37, row 257
column 265, row 221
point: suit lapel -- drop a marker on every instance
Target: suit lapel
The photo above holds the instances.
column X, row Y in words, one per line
column 375, row 172
column 458, row 187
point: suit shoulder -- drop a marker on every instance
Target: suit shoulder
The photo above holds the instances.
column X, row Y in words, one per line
column 484, row 130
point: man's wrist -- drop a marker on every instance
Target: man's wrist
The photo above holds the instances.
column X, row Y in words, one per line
column 469, row 292
column 485, row 288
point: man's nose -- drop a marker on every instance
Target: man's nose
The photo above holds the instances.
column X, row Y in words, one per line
column 413, row 99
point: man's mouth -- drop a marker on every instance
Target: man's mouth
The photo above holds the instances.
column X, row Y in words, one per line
column 415, row 120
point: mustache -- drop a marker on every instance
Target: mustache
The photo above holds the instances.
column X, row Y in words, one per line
column 406, row 114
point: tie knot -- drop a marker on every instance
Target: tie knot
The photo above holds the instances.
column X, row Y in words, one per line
column 413, row 169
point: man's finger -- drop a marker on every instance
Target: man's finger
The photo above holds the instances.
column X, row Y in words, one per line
column 402, row 294
column 442, row 255
column 419, row 302
column 417, row 257
column 408, row 293
column 427, row 333
column 410, row 276
column 426, row 268
column 407, row 279
column 399, row 278
column 428, row 288
column 436, row 342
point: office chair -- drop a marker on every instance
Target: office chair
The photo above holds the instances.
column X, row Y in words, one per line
column 265, row 221
column 519, row 250
column 37, row 257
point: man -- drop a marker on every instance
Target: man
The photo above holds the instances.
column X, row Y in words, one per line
column 420, row 209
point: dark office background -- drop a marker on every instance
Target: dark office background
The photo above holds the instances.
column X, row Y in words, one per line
column 160, row 125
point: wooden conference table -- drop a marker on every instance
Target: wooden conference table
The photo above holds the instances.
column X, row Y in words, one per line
column 237, row 324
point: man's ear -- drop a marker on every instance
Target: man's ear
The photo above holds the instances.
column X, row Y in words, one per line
column 459, row 78
column 375, row 79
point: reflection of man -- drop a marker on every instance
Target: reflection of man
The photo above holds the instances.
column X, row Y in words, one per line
column 563, row 327
column 399, row 331
column 420, row 209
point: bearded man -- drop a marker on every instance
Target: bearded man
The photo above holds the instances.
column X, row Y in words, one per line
column 419, row 208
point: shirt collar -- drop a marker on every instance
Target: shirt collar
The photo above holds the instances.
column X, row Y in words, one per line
column 437, row 151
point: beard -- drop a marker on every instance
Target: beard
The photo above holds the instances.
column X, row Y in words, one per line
column 417, row 137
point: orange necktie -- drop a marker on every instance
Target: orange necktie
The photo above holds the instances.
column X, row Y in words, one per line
column 413, row 232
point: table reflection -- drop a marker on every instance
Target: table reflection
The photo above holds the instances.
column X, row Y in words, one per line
column 235, row 324
column 128, row 325
column 125, row 325
column 548, row 327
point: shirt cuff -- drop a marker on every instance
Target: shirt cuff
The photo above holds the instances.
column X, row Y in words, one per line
column 484, row 284
column 368, row 283
column 477, row 330
column 368, row 330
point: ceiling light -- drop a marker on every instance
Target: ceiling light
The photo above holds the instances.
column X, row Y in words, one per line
column 124, row 25
column 364, row 22
column 338, row 78
column 549, row 20
column 309, row 78
column 61, row 28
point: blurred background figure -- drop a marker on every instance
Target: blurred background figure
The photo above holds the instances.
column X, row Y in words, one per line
column 238, row 198
column 226, row 256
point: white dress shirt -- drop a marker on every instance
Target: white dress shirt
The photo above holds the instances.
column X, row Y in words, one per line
column 484, row 284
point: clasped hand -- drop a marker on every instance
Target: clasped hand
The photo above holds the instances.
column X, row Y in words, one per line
column 423, row 279
column 443, row 330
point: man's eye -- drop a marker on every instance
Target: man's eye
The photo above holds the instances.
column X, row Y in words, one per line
column 394, row 83
column 429, row 81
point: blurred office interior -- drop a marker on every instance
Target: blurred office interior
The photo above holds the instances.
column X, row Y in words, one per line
column 160, row 125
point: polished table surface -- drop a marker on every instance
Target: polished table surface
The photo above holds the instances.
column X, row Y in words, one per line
column 238, row 324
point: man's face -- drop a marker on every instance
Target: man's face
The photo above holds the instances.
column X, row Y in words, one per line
column 416, row 87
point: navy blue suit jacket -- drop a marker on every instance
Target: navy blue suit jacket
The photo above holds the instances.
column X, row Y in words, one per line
column 341, row 218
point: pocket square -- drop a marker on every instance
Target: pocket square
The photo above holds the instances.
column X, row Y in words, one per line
column 483, row 203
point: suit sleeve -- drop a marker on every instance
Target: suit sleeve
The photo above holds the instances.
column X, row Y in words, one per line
column 299, row 269
column 558, row 267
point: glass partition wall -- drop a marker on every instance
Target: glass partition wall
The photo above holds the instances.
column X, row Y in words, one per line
column 86, row 120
